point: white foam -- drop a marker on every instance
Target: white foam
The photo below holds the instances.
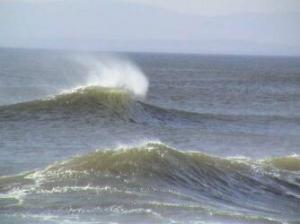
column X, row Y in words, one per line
column 77, row 189
column 16, row 193
column 112, row 72
column 138, row 144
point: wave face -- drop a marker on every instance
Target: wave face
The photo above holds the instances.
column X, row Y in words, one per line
column 83, row 100
column 161, row 184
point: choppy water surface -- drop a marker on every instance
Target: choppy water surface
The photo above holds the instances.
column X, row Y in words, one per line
column 148, row 138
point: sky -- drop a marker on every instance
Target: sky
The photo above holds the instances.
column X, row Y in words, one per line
column 262, row 27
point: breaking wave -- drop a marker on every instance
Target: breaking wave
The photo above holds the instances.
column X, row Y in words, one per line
column 114, row 73
column 155, row 172
column 115, row 104
column 93, row 100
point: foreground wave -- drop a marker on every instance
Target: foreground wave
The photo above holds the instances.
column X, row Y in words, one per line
column 162, row 182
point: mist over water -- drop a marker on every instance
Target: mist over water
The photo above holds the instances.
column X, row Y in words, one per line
column 74, row 71
column 112, row 72
column 208, row 139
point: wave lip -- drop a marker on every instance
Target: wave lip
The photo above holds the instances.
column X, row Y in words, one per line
column 91, row 96
column 290, row 163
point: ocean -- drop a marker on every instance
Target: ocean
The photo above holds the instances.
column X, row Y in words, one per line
column 94, row 137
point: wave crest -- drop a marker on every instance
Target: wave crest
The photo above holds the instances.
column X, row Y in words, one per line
column 115, row 73
column 291, row 163
column 93, row 99
column 90, row 97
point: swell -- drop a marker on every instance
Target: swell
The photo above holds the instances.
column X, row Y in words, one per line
column 93, row 99
column 121, row 104
column 269, row 188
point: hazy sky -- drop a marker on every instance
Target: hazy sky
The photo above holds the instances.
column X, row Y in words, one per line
column 197, row 26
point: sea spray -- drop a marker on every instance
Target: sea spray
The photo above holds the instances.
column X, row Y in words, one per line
column 113, row 72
